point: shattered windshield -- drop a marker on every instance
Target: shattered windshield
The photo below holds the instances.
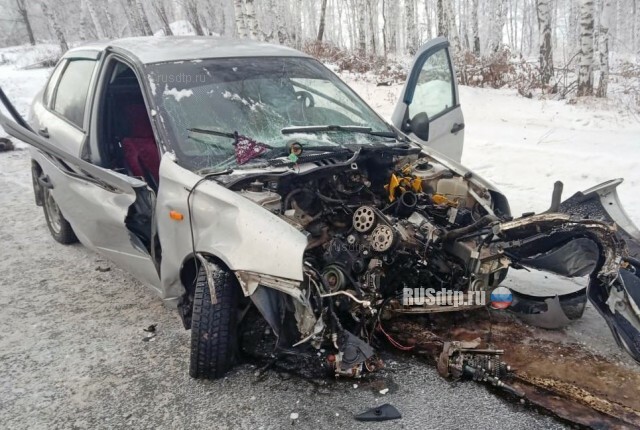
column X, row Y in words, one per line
column 254, row 98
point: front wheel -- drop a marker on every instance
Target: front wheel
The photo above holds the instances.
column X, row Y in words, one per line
column 214, row 327
column 58, row 226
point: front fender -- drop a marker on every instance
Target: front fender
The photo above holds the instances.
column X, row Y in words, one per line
column 245, row 236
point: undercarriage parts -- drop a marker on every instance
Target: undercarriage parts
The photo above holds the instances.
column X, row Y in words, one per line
column 460, row 360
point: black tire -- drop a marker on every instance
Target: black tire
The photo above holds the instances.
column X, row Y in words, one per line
column 58, row 226
column 214, row 327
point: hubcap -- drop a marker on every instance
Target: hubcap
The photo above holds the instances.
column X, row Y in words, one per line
column 53, row 213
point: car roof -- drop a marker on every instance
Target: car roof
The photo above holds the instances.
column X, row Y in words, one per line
column 161, row 49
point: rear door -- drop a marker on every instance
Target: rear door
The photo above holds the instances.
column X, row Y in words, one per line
column 110, row 212
column 429, row 107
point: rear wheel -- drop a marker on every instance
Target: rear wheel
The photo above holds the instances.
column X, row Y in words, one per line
column 214, row 327
column 58, row 226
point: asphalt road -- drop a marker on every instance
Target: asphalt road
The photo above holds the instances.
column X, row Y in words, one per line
column 72, row 354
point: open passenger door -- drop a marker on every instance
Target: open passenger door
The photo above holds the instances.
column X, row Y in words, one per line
column 429, row 107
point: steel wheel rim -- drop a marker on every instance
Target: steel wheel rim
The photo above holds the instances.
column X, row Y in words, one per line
column 53, row 213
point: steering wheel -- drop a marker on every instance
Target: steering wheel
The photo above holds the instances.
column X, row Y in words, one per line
column 305, row 98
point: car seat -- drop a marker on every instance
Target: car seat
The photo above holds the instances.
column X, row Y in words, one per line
column 139, row 147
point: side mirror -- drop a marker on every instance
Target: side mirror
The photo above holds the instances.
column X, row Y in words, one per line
column 419, row 125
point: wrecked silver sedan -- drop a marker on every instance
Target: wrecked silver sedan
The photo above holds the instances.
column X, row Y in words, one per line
column 230, row 174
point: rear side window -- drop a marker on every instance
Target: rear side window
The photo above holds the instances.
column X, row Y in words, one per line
column 71, row 94
column 53, row 80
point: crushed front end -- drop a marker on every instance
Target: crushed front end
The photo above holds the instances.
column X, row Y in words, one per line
column 387, row 221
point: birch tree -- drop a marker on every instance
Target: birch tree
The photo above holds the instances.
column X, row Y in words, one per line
column 450, row 23
column 390, row 16
column 603, row 48
column 142, row 17
column 252, row 22
column 54, row 23
column 323, row 16
column 585, row 68
column 24, row 15
column 362, row 35
column 546, row 51
column 372, row 13
column 441, row 18
column 497, row 24
column 95, row 18
column 193, row 16
column 241, row 24
column 475, row 27
column 411, row 41
column 158, row 7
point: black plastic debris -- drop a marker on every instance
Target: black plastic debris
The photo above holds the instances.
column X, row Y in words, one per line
column 384, row 412
column 151, row 328
column 5, row 144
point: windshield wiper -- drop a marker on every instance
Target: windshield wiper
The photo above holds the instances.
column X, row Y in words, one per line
column 344, row 128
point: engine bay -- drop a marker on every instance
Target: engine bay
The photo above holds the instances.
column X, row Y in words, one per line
column 382, row 222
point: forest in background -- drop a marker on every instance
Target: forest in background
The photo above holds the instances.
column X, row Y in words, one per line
column 553, row 46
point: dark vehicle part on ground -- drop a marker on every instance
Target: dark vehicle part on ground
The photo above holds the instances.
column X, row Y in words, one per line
column 566, row 379
column 383, row 412
column 463, row 360
column 6, row 144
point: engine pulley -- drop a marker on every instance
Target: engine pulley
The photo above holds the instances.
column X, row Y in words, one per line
column 364, row 219
column 382, row 238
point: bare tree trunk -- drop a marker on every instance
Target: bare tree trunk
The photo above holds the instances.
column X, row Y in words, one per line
column 241, row 24
column 323, row 15
column 252, row 21
column 362, row 35
column 442, row 20
column 546, row 50
column 450, row 23
column 193, row 16
column 585, row 69
column 100, row 34
column 54, row 23
column 283, row 30
column 158, row 6
column 372, row 13
column 495, row 39
column 111, row 28
column 132, row 17
column 605, row 21
column 144, row 21
column 22, row 10
column 475, row 27
column 515, row 25
column 429, row 23
column 411, row 41
column 636, row 16
column 390, row 15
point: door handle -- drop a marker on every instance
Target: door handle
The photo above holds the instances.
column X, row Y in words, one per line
column 457, row 127
column 44, row 132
